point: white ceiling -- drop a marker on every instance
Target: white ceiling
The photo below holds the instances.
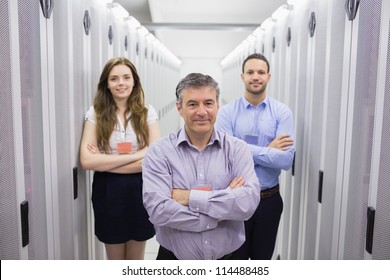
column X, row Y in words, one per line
column 210, row 41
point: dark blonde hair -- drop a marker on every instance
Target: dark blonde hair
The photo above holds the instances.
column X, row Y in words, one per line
column 106, row 108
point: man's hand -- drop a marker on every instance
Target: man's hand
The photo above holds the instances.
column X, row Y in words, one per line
column 237, row 182
column 181, row 196
column 282, row 142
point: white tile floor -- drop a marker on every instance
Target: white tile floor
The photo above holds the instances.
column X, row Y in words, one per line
column 151, row 249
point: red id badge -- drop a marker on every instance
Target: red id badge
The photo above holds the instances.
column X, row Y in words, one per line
column 124, row 147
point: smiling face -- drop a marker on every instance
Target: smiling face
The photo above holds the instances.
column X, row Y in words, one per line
column 120, row 82
column 199, row 108
column 255, row 77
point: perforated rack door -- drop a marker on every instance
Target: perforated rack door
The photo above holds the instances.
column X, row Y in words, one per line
column 9, row 233
column 381, row 237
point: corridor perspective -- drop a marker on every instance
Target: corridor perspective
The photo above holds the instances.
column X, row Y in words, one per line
column 330, row 64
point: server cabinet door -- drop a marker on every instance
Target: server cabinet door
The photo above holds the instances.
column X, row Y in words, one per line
column 360, row 129
column 377, row 243
column 99, row 40
column 331, row 127
column 36, row 140
column 131, row 26
column 317, row 22
column 96, row 51
column 12, row 188
column 25, row 152
column 116, row 17
column 70, row 74
column 282, row 91
column 299, row 49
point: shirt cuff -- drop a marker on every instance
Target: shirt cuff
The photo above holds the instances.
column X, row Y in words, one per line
column 198, row 201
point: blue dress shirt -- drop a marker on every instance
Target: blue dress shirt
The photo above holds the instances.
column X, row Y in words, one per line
column 258, row 126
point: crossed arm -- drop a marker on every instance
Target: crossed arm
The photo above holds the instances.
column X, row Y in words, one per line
column 282, row 142
column 92, row 159
column 196, row 210
column 183, row 196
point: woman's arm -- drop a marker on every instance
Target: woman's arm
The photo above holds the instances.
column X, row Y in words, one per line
column 134, row 167
column 131, row 168
column 102, row 162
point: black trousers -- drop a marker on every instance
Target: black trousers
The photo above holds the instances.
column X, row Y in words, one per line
column 261, row 230
column 165, row 254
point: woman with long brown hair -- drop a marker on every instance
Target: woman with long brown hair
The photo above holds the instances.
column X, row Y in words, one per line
column 117, row 131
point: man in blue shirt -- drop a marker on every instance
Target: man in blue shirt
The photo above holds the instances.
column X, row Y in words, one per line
column 266, row 125
column 199, row 185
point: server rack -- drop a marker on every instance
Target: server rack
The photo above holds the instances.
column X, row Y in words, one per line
column 52, row 55
column 336, row 56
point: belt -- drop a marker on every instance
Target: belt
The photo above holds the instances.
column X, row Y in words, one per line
column 269, row 192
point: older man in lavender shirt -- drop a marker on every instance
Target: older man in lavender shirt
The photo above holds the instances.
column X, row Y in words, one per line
column 199, row 184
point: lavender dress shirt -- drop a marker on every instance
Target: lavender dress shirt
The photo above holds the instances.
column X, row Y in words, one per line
column 212, row 225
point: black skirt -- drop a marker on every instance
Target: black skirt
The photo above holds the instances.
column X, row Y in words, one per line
column 118, row 207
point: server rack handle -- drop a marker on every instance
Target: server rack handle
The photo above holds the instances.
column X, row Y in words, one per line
column 351, row 8
column 47, row 7
column 370, row 229
column 25, row 223
column 87, row 22
column 320, row 185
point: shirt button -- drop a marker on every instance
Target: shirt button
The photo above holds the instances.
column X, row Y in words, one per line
column 197, row 208
column 208, row 226
column 206, row 242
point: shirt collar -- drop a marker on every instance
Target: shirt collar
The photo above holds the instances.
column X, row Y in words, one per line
column 246, row 103
column 183, row 137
